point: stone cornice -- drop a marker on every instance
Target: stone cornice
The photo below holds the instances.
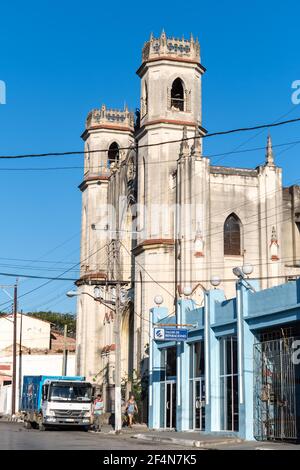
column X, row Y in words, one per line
column 112, row 127
column 92, row 179
column 140, row 70
column 152, row 243
column 175, row 122
column 91, row 278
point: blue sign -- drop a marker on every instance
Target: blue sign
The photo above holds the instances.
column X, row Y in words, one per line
column 170, row 334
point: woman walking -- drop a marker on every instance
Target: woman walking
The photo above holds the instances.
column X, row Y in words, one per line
column 131, row 408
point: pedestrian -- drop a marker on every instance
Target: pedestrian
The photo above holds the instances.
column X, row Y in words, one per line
column 98, row 410
column 131, row 408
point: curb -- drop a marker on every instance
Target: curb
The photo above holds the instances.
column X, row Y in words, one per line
column 186, row 442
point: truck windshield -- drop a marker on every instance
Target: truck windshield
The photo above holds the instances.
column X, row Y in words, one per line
column 60, row 392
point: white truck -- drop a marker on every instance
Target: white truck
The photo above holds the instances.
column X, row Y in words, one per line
column 49, row 401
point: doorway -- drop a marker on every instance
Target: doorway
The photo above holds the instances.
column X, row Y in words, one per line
column 199, row 404
column 170, row 405
column 197, row 387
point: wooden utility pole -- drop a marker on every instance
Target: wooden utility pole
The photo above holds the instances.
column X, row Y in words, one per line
column 14, row 371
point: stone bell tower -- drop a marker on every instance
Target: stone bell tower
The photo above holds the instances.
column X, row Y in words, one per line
column 171, row 76
column 107, row 132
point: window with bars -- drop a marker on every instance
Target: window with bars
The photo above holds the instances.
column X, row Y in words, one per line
column 177, row 95
column 232, row 235
column 113, row 153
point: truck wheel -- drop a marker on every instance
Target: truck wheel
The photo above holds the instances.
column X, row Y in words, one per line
column 86, row 428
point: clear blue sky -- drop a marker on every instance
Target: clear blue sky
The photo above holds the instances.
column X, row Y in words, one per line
column 60, row 59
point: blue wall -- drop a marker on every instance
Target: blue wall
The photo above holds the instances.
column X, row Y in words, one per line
column 242, row 317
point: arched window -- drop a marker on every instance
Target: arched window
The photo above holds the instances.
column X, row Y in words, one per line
column 177, row 95
column 145, row 101
column 232, row 235
column 113, row 153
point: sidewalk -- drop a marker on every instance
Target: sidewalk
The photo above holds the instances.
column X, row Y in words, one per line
column 197, row 439
column 186, row 439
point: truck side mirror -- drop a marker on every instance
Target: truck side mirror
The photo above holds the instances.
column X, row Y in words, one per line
column 44, row 392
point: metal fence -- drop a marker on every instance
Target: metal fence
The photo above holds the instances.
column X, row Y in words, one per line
column 276, row 389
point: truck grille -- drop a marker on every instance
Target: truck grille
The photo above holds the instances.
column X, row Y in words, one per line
column 68, row 413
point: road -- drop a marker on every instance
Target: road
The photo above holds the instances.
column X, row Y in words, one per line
column 13, row 436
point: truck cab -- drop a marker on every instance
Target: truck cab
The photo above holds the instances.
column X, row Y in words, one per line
column 56, row 401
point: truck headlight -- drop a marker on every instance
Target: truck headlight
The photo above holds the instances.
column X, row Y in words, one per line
column 50, row 413
column 87, row 414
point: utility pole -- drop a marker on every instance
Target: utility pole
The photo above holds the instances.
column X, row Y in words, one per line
column 20, row 359
column 14, row 371
column 117, row 325
column 65, row 353
column 118, row 312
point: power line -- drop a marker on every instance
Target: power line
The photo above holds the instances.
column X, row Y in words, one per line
column 212, row 134
column 259, row 133
column 32, row 276
column 139, row 264
column 91, row 168
column 56, row 278
column 36, row 260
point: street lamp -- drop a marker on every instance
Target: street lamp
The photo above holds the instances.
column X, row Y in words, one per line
column 247, row 269
column 158, row 299
column 187, row 290
column 73, row 293
column 97, row 292
column 241, row 272
column 215, row 281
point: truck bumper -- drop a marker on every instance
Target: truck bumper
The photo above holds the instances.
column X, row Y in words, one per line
column 52, row 420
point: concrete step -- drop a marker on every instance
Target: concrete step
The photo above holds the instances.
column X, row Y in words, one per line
column 188, row 442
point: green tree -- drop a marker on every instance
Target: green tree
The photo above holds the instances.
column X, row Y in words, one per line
column 59, row 320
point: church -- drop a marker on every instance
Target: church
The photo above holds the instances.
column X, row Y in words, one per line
column 160, row 218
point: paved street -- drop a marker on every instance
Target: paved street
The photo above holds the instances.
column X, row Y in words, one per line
column 13, row 436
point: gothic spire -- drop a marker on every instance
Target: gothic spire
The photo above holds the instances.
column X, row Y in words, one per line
column 269, row 152
column 184, row 146
column 196, row 147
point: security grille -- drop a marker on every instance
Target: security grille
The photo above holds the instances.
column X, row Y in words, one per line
column 276, row 389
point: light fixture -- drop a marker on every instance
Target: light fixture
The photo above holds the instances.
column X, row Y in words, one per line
column 215, row 281
column 97, row 292
column 187, row 290
column 238, row 272
column 158, row 299
column 247, row 269
column 72, row 293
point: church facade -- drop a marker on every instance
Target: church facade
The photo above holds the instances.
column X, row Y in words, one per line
column 159, row 217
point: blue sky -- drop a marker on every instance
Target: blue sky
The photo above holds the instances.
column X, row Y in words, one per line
column 60, row 59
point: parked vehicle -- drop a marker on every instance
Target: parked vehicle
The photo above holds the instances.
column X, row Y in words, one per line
column 49, row 401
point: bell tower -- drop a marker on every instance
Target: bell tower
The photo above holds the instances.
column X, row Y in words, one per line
column 107, row 131
column 171, row 77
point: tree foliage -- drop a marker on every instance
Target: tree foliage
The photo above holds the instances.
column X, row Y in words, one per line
column 59, row 320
